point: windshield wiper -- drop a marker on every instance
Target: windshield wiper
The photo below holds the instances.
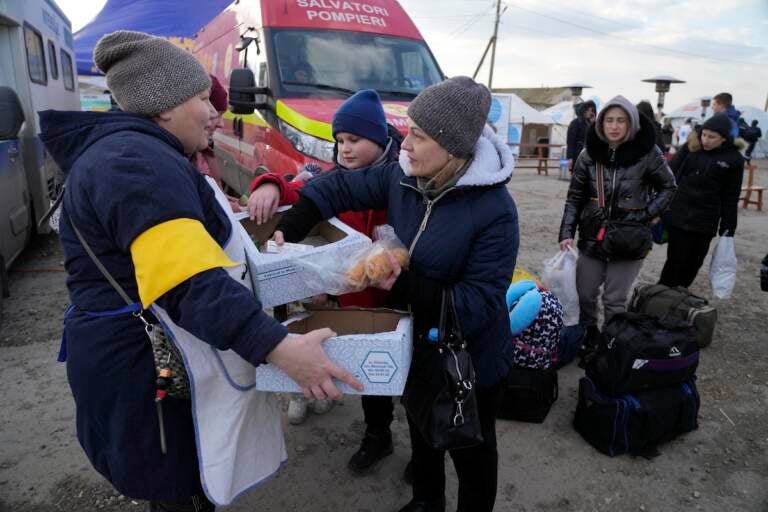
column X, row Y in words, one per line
column 398, row 93
column 320, row 86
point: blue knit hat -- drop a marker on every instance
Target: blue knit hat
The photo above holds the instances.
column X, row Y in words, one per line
column 362, row 115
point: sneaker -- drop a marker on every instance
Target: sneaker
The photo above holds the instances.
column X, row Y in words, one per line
column 588, row 346
column 322, row 406
column 297, row 410
column 375, row 446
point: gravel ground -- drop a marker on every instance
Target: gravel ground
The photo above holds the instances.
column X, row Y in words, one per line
column 720, row 467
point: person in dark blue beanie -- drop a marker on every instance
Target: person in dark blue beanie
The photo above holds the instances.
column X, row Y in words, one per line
column 363, row 138
column 362, row 115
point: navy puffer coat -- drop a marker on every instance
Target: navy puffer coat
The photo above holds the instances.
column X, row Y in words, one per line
column 465, row 239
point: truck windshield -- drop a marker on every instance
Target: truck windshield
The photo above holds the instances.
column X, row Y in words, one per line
column 337, row 63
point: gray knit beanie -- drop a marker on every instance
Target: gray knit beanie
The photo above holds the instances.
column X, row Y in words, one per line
column 147, row 74
column 453, row 113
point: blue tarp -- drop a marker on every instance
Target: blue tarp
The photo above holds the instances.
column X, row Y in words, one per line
column 166, row 18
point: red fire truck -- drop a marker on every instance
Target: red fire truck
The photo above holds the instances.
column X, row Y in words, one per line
column 289, row 64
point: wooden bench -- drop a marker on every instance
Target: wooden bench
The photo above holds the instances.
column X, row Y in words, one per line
column 750, row 189
column 542, row 156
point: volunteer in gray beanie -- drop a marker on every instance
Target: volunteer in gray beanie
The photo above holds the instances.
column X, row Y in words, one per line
column 632, row 114
column 453, row 113
column 146, row 74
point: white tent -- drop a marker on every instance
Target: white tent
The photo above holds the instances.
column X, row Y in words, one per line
column 749, row 113
column 509, row 114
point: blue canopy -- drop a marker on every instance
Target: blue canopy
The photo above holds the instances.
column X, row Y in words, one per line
column 166, row 18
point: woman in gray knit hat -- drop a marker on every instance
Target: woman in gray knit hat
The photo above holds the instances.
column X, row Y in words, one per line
column 149, row 241
column 621, row 184
column 448, row 203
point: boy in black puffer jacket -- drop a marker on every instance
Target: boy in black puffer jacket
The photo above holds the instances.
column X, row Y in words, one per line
column 709, row 171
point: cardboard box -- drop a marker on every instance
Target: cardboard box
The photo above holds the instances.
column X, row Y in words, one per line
column 281, row 278
column 375, row 345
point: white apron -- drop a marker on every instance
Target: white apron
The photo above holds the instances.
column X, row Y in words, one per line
column 238, row 429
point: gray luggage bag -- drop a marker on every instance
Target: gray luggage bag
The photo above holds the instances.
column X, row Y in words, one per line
column 662, row 301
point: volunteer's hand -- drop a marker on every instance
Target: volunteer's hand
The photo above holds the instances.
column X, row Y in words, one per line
column 278, row 238
column 566, row 244
column 263, row 202
column 304, row 360
column 655, row 220
column 389, row 282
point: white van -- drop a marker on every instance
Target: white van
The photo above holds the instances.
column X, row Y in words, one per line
column 37, row 72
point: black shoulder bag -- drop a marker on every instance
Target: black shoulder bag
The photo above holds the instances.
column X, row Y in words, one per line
column 621, row 239
column 439, row 396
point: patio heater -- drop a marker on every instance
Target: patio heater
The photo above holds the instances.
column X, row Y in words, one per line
column 662, row 87
column 576, row 89
column 706, row 101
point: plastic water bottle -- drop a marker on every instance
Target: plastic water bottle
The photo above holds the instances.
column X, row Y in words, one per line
column 563, row 168
column 434, row 335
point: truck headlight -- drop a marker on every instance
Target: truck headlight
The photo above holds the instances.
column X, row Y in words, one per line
column 307, row 144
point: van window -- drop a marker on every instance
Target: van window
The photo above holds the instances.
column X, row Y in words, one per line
column 33, row 41
column 67, row 71
column 398, row 68
column 52, row 60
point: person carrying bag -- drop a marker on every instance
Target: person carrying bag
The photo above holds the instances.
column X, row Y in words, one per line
column 621, row 184
column 447, row 200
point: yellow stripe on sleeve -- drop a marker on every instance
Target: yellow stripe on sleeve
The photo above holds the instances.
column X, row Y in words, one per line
column 168, row 254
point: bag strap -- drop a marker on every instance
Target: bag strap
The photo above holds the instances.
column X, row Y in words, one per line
column 119, row 289
column 600, row 185
column 449, row 328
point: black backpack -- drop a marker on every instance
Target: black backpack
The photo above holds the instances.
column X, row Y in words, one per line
column 638, row 352
column 636, row 423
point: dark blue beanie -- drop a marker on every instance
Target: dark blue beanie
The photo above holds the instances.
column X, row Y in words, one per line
column 362, row 115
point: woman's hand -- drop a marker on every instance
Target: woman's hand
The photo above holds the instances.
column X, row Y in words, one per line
column 234, row 203
column 566, row 245
column 263, row 202
column 304, row 360
column 389, row 282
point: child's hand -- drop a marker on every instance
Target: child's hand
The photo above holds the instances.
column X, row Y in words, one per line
column 278, row 238
column 263, row 203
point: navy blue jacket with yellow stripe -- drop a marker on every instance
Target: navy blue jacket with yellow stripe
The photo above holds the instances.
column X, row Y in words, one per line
column 155, row 224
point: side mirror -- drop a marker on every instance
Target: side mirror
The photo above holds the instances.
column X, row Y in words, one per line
column 244, row 96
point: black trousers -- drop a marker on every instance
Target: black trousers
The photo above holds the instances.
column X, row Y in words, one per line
column 377, row 411
column 476, row 467
column 686, row 251
column 195, row 504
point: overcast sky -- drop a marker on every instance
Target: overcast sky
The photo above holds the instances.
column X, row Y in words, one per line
column 714, row 45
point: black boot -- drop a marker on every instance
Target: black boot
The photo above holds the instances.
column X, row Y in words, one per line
column 408, row 473
column 588, row 346
column 423, row 506
column 375, row 446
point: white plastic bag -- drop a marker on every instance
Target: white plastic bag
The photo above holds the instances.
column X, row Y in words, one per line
column 560, row 277
column 722, row 270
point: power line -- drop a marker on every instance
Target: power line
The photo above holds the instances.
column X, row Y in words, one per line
column 470, row 23
column 626, row 39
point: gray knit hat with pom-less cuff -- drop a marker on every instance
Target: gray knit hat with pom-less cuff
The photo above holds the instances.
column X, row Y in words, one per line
column 146, row 74
column 453, row 113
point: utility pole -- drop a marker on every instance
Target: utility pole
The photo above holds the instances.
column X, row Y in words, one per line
column 494, row 39
column 491, row 46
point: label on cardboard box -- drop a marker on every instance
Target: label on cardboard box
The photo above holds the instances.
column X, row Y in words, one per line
column 375, row 345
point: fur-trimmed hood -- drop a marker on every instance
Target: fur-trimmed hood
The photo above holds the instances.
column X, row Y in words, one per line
column 492, row 163
column 694, row 143
column 626, row 154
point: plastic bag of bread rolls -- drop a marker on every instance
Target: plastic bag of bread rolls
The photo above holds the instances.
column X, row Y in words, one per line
column 358, row 270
